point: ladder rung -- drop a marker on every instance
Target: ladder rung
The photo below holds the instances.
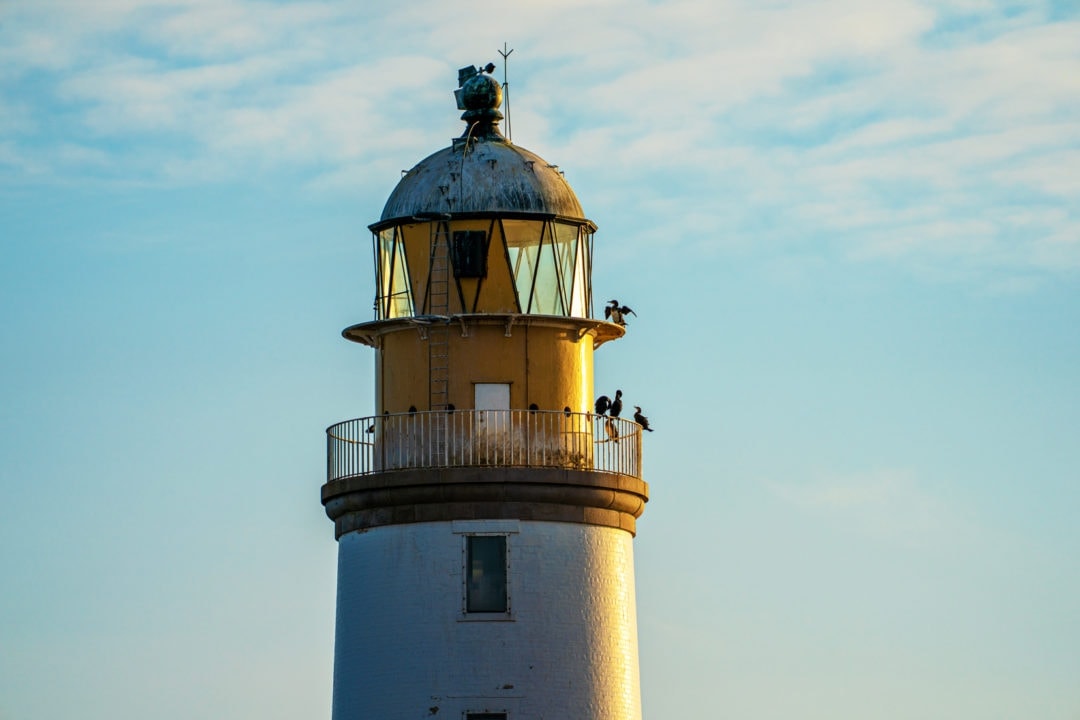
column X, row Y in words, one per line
column 438, row 303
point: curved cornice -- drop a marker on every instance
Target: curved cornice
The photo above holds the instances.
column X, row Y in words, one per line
column 368, row 333
column 539, row 494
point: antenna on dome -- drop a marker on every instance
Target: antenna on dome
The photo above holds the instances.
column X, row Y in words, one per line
column 506, row 92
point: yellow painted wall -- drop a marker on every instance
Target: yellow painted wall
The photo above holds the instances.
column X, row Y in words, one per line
column 549, row 366
column 417, row 250
column 402, row 372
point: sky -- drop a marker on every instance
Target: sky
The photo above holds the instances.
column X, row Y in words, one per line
column 851, row 234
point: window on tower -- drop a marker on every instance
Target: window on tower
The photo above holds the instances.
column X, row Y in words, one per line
column 485, row 574
column 485, row 716
column 469, row 253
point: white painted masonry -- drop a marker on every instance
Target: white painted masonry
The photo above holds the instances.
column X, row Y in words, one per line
column 405, row 650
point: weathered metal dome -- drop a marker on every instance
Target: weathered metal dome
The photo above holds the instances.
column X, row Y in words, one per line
column 482, row 171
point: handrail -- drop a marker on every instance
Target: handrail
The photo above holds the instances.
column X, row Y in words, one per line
column 483, row 438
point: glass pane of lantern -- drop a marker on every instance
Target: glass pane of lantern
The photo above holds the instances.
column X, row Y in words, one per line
column 566, row 240
column 579, row 298
column 401, row 304
column 547, row 297
column 385, row 249
column 522, row 246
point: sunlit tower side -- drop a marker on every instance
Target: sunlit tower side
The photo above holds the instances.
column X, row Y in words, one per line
column 484, row 515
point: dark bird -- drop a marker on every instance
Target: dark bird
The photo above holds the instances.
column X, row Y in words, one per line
column 617, row 313
column 370, row 428
column 489, row 68
column 602, row 404
column 611, row 430
column 641, row 419
column 616, row 405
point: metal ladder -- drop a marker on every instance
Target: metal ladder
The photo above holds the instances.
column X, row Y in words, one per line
column 439, row 305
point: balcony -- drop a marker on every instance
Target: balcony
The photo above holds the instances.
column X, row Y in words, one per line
column 483, row 438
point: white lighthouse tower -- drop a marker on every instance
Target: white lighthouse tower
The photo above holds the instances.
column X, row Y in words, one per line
column 484, row 514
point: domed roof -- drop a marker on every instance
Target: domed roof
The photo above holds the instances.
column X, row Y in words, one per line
column 482, row 172
column 490, row 176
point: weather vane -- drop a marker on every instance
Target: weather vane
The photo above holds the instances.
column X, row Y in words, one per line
column 506, row 92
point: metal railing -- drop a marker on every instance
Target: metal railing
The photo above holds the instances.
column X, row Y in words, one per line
column 483, row 438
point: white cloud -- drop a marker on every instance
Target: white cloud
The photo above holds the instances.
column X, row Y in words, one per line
column 12, row 156
column 886, row 504
column 1058, row 247
column 1055, row 172
column 875, row 125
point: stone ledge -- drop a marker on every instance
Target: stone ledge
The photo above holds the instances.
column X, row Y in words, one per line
column 445, row 494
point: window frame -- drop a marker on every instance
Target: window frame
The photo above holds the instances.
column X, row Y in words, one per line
column 466, row 572
column 480, row 528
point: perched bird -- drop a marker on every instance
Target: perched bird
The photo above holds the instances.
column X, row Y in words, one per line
column 370, row 428
column 489, row 68
column 641, row 419
column 617, row 313
column 611, row 430
column 602, row 404
column 616, row 405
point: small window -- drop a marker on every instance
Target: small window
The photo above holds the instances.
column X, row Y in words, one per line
column 485, row 574
column 485, row 716
column 469, row 253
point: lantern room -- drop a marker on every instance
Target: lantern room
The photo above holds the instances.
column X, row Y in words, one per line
column 483, row 258
column 496, row 263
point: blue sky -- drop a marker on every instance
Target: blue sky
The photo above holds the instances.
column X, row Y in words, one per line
column 851, row 232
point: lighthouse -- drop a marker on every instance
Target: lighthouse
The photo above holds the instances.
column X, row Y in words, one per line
column 484, row 513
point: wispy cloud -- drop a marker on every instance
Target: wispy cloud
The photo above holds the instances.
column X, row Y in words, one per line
column 903, row 131
column 886, row 504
